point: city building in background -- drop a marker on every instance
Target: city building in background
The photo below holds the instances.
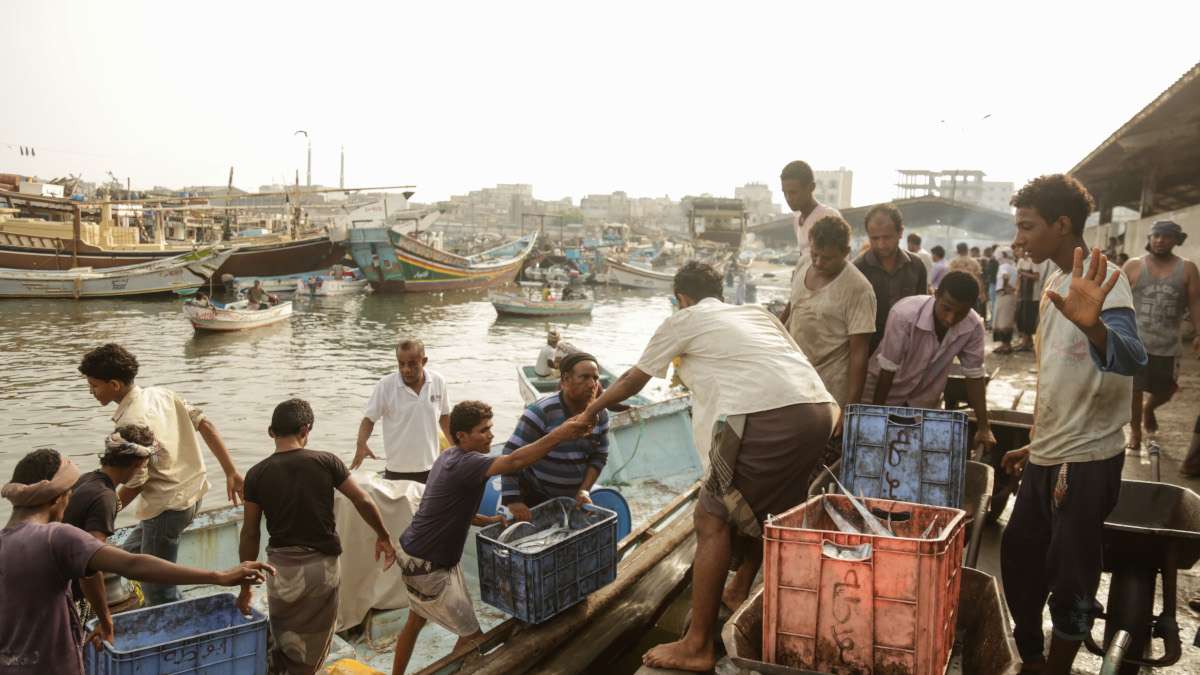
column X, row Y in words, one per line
column 957, row 185
column 834, row 187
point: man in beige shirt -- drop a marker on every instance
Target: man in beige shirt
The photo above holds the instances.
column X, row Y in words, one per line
column 831, row 313
column 173, row 483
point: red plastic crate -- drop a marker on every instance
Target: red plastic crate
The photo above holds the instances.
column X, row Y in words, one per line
column 830, row 606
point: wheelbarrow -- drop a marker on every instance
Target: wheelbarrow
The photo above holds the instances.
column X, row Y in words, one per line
column 1154, row 530
column 1011, row 429
column 977, row 494
column 983, row 643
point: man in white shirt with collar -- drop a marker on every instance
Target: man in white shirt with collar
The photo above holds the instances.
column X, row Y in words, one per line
column 798, row 184
column 173, row 483
column 412, row 403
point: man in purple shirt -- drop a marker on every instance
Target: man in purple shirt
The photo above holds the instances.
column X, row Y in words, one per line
column 40, row 555
column 924, row 334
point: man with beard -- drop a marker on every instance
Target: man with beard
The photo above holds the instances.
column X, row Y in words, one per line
column 1164, row 285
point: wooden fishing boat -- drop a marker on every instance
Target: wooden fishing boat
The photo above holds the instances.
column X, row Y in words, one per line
column 269, row 259
column 632, row 276
column 323, row 285
column 180, row 272
column 533, row 386
column 234, row 316
column 283, row 283
column 652, row 457
column 397, row 262
column 530, row 300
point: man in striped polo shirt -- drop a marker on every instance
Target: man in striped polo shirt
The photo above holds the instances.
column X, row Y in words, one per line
column 573, row 466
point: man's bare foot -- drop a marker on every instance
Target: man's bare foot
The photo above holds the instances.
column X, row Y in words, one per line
column 732, row 598
column 1134, row 446
column 681, row 656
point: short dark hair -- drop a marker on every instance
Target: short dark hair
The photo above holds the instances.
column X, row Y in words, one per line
column 134, row 433
column 962, row 248
column 959, row 285
column 467, row 415
column 913, row 238
column 892, row 212
column 797, row 170
column 110, row 362
column 989, row 250
column 411, row 343
column 938, row 251
column 830, row 232
column 699, row 280
column 291, row 416
column 1056, row 195
column 37, row 466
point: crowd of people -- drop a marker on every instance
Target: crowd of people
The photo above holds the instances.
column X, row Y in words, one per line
column 768, row 394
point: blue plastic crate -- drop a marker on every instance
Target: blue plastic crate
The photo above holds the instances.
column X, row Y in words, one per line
column 204, row 635
column 906, row 454
column 536, row 586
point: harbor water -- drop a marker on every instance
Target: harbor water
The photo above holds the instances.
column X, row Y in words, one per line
column 331, row 353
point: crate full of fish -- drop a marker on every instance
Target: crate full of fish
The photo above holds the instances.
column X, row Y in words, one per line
column 535, row 569
column 862, row 585
column 906, row 454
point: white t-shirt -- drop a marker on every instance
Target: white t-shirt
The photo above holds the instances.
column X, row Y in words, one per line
column 802, row 228
column 926, row 259
column 735, row 359
column 1006, row 275
column 1080, row 411
column 545, row 361
column 410, row 420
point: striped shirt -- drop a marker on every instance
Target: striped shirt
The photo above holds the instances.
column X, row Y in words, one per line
column 560, row 473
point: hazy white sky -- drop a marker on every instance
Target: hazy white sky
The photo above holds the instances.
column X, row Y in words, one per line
column 648, row 97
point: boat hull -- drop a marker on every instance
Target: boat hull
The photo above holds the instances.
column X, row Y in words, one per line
column 235, row 318
column 631, row 276
column 331, row 287
column 177, row 274
column 396, row 263
column 292, row 257
column 511, row 305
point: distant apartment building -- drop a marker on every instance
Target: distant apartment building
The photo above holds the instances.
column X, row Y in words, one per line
column 958, row 185
column 834, row 187
column 610, row 208
column 759, row 201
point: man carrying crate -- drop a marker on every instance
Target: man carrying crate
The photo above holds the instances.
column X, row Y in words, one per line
column 431, row 549
column 1087, row 349
column 761, row 414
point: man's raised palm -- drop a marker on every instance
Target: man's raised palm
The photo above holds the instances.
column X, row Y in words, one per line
column 1086, row 294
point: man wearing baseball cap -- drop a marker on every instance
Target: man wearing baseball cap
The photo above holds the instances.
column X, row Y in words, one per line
column 1164, row 285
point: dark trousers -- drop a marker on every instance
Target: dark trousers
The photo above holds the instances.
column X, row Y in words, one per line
column 159, row 536
column 1052, row 547
column 418, row 476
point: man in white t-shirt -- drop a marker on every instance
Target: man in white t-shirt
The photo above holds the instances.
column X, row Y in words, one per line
column 762, row 416
column 547, row 360
column 1087, row 348
column 412, row 403
column 798, row 184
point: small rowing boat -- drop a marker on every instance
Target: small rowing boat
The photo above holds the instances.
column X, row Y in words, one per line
column 338, row 281
column 632, row 276
column 533, row 386
column 534, row 300
column 234, row 316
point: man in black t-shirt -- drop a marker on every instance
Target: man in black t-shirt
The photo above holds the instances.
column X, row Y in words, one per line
column 294, row 489
column 94, row 505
